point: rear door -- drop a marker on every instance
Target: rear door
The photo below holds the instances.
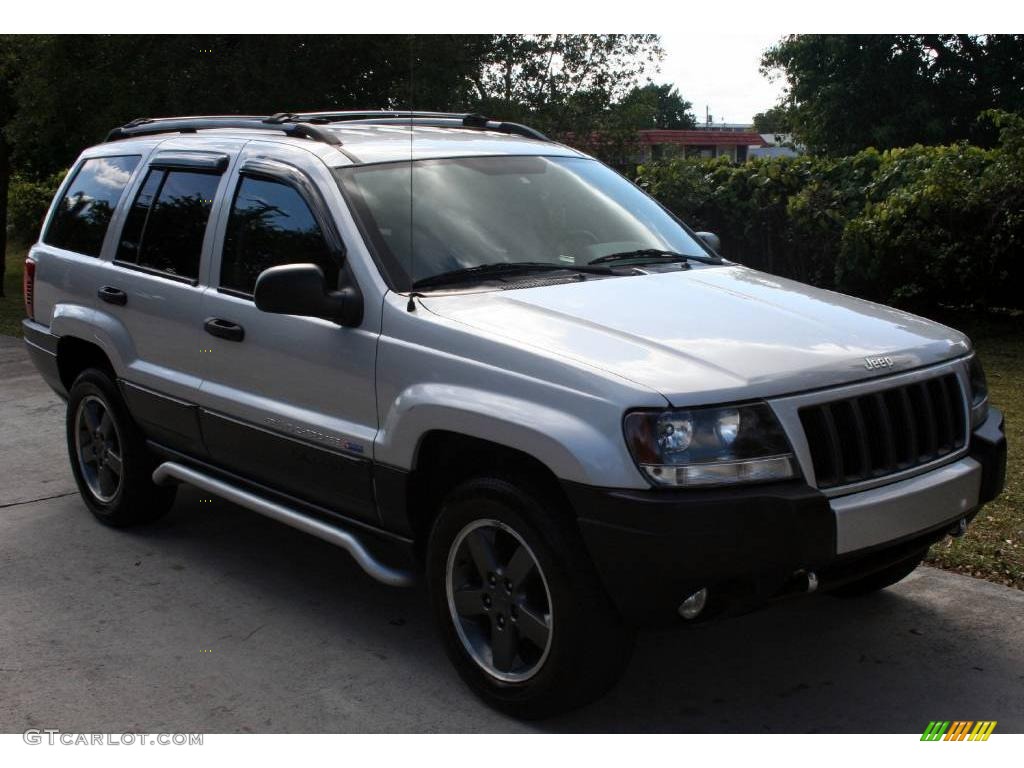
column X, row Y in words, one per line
column 154, row 283
column 287, row 401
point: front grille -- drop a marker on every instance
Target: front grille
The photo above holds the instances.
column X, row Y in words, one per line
column 884, row 432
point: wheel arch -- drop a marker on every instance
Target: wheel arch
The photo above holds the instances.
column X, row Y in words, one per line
column 89, row 337
column 445, row 459
column 74, row 355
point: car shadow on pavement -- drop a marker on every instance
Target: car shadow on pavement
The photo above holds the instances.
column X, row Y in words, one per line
column 885, row 663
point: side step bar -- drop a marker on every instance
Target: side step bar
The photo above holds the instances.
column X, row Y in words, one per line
column 171, row 470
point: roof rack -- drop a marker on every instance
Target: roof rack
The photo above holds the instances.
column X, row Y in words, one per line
column 435, row 119
column 147, row 126
column 307, row 125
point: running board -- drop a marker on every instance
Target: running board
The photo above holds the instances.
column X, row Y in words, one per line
column 171, row 470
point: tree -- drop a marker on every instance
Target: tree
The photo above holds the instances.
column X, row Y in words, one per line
column 80, row 86
column 848, row 92
column 660, row 106
column 10, row 56
column 561, row 82
column 774, row 120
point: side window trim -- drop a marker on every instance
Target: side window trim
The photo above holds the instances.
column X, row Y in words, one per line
column 193, row 281
column 278, row 172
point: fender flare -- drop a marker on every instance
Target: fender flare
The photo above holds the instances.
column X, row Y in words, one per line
column 99, row 328
column 570, row 447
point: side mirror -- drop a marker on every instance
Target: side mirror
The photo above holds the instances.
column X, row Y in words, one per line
column 300, row 289
column 711, row 240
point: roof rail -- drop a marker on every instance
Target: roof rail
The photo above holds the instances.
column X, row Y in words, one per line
column 438, row 119
column 308, row 124
column 147, row 126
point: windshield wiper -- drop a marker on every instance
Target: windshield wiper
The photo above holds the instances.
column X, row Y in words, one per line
column 645, row 254
column 499, row 268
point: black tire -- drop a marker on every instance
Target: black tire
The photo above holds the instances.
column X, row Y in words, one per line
column 131, row 497
column 881, row 579
column 587, row 645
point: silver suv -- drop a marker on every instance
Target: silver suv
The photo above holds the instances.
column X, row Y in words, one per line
column 469, row 354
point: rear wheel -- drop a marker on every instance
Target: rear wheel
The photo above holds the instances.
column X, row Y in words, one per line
column 881, row 579
column 109, row 458
column 521, row 612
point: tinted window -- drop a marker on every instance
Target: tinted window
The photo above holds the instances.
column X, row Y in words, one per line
column 131, row 235
column 81, row 219
column 270, row 224
column 165, row 227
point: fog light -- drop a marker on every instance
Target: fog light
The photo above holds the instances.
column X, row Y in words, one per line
column 691, row 607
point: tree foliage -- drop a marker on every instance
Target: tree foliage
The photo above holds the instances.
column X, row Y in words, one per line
column 74, row 88
column 658, row 106
column 562, row 82
column 774, row 120
column 848, row 92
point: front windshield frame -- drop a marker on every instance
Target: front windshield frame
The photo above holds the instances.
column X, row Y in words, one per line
column 388, row 264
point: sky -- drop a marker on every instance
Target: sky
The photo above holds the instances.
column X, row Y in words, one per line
column 720, row 71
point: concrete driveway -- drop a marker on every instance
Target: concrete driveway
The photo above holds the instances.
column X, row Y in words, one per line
column 218, row 620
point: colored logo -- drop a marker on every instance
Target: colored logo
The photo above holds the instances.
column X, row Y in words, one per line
column 958, row 730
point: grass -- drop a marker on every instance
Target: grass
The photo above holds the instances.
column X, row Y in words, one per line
column 12, row 305
column 993, row 548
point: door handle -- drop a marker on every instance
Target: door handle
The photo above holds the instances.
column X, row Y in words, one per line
column 112, row 295
column 224, row 329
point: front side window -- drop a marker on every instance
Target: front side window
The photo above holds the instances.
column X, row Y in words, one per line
column 431, row 217
column 80, row 221
column 167, row 222
column 270, row 224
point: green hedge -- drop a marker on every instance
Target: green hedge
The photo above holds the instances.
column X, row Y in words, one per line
column 27, row 204
column 915, row 227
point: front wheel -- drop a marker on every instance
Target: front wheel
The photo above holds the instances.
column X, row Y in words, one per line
column 521, row 612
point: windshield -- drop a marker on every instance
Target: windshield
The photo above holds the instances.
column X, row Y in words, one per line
column 466, row 212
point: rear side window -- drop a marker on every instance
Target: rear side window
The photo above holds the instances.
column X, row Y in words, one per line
column 166, row 224
column 80, row 221
column 270, row 224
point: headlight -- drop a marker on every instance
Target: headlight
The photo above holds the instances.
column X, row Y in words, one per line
column 710, row 446
column 979, row 392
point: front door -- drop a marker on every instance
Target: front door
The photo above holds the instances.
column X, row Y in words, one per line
column 286, row 401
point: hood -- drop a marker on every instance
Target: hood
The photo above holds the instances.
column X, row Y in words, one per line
column 709, row 334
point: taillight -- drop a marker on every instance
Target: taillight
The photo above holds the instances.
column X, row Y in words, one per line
column 29, row 287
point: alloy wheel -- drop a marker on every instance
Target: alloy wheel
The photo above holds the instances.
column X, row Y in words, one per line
column 499, row 600
column 98, row 447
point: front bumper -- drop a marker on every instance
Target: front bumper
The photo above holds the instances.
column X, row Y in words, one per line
column 750, row 545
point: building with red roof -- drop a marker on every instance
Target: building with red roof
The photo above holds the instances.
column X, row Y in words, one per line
column 722, row 141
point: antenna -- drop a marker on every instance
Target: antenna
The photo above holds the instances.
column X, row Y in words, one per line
column 412, row 106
